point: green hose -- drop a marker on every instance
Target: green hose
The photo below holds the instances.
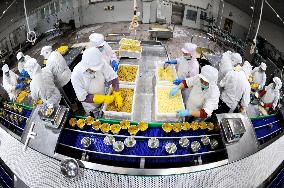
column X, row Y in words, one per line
column 115, row 121
column 262, row 117
column 22, row 105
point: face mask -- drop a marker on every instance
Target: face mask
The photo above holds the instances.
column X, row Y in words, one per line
column 101, row 49
column 188, row 57
column 204, row 87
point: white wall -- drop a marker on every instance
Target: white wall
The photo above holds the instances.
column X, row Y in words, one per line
column 190, row 23
column 201, row 4
column 95, row 13
column 241, row 20
column 164, row 12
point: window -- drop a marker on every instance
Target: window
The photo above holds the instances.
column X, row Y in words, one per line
column 191, row 15
column 203, row 15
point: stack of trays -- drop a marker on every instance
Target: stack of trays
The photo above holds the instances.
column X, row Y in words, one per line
column 130, row 48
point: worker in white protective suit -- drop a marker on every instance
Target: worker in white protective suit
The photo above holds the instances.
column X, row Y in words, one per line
column 57, row 65
column 97, row 40
column 9, row 82
column 236, row 60
column 42, row 85
column 235, row 91
column 22, row 59
column 270, row 95
column 225, row 65
column 88, row 79
column 247, row 68
column 187, row 65
column 204, row 93
column 259, row 76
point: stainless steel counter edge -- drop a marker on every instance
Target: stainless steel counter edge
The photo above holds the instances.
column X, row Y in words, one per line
column 144, row 172
column 38, row 170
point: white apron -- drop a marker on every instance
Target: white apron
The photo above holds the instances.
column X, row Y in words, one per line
column 196, row 97
column 94, row 86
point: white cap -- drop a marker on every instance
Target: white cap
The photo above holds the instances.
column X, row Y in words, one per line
column 5, row 68
column 209, row 74
column 45, row 51
column 263, row 66
column 92, row 59
column 32, row 67
column 189, row 48
column 277, row 82
column 20, row 55
column 97, row 40
column 236, row 59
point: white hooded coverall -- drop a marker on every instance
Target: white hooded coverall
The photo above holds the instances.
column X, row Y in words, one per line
column 236, row 89
column 9, row 84
column 188, row 68
column 259, row 77
column 85, row 84
column 225, row 65
column 42, row 85
column 57, row 65
column 272, row 94
column 203, row 99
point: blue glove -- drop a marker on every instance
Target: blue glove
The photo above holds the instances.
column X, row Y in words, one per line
column 174, row 91
column 172, row 62
column 21, row 78
column 114, row 65
column 183, row 113
column 20, row 86
column 25, row 74
column 177, row 81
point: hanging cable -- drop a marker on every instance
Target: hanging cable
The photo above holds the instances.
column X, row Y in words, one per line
column 4, row 12
column 252, row 49
column 260, row 16
column 31, row 35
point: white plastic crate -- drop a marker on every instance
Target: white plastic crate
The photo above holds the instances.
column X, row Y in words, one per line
column 120, row 115
column 137, row 74
column 163, row 82
column 130, row 54
column 122, row 42
column 166, row 117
